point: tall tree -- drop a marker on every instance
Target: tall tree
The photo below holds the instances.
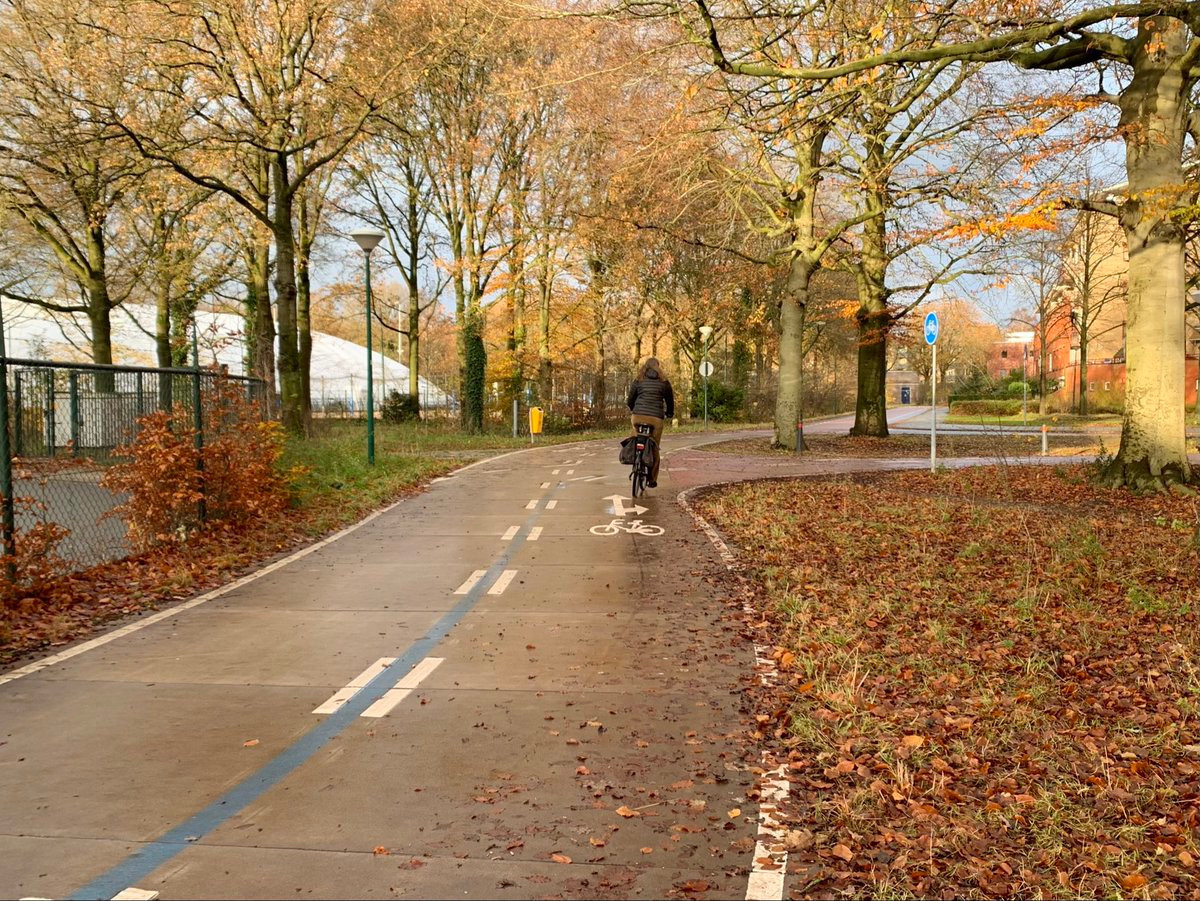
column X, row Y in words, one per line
column 292, row 83
column 62, row 172
column 1148, row 54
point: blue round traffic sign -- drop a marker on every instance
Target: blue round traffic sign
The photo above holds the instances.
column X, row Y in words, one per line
column 931, row 328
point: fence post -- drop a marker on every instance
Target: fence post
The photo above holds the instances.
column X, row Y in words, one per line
column 19, row 420
column 198, row 419
column 51, row 443
column 8, row 516
column 73, row 397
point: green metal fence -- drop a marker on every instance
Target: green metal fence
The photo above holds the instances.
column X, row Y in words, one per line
column 61, row 425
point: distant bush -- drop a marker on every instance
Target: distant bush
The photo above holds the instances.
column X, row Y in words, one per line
column 726, row 403
column 993, row 407
column 399, row 407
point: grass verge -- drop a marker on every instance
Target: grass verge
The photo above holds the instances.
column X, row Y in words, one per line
column 950, row 444
column 1054, row 420
column 991, row 680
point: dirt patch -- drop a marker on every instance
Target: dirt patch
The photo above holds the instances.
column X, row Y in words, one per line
column 992, row 680
column 949, row 444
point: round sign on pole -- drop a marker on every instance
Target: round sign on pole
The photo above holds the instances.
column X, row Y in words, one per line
column 706, row 369
column 931, row 328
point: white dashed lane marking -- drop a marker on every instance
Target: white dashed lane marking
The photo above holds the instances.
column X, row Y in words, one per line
column 503, row 582
column 535, row 533
column 355, row 685
column 545, row 484
column 550, row 505
column 511, row 533
column 532, row 505
column 471, row 582
column 403, row 688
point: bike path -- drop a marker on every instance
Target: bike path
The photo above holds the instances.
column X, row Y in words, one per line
column 539, row 682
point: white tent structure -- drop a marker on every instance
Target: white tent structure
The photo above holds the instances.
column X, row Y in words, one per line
column 338, row 379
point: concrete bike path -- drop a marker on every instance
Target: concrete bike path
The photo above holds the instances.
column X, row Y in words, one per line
column 519, row 680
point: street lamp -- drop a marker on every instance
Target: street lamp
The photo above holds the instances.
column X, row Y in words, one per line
column 706, row 367
column 368, row 239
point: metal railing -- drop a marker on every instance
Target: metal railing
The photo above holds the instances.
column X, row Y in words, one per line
column 62, row 423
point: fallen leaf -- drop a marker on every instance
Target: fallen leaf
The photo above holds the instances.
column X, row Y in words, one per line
column 913, row 741
column 1132, row 882
column 560, row 858
column 735, row 813
column 647, row 850
column 250, row 744
column 694, row 885
column 582, row 771
column 381, row 851
column 597, row 842
column 1186, row 859
column 626, row 812
column 842, row 852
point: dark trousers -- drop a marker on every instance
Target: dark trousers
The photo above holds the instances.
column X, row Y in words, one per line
column 657, row 424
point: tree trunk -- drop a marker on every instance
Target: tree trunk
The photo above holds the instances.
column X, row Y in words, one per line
column 1042, row 379
column 162, row 343
column 290, row 377
column 260, row 322
column 545, row 362
column 414, row 344
column 304, row 327
column 99, row 308
column 1154, row 112
column 791, row 347
column 870, row 408
column 1083, row 367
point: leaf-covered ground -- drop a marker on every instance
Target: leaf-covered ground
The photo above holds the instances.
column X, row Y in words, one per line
column 991, row 682
column 950, row 444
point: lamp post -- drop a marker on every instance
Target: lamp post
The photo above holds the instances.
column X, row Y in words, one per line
column 1025, row 384
column 368, row 239
column 705, row 333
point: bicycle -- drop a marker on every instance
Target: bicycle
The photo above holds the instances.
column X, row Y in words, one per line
column 634, row 527
column 640, row 476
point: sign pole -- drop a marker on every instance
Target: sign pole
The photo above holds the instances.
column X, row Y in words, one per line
column 933, row 414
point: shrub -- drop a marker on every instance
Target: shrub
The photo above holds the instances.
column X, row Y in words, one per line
column 986, row 407
column 37, row 561
column 240, row 481
column 399, row 407
column 726, row 403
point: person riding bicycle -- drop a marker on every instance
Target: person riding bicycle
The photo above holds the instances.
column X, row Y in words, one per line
column 651, row 401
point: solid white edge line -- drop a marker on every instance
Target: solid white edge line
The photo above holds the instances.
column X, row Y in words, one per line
column 355, row 685
column 471, row 582
column 511, row 533
column 503, row 582
column 766, row 880
column 535, row 533
column 403, row 688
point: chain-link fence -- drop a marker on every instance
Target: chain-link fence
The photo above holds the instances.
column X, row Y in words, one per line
column 61, row 424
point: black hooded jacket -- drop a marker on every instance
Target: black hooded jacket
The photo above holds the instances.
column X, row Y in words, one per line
column 651, row 396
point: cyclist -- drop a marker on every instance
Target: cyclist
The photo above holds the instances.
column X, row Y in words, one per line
column 651, row 401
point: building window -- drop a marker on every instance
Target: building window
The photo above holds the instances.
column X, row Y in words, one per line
column 1108, row 386
column 1091, row 386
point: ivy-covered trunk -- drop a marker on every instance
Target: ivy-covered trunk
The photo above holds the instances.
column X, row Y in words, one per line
column 290, row 377
column 474, row 370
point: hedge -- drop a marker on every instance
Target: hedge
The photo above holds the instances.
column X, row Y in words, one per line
column 994, row 407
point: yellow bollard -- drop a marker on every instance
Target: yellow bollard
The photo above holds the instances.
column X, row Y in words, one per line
column 536, row 418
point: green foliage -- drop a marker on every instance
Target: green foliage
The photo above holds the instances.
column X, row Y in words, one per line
column 399, row 407
column 474, row 375
column 726, row 403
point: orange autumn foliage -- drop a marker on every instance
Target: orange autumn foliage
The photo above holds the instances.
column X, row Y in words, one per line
column 239, row 482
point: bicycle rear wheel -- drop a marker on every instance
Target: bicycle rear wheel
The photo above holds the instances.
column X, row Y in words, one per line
column 639, row 477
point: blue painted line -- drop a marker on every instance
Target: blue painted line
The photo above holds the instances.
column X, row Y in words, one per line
column 151, row 856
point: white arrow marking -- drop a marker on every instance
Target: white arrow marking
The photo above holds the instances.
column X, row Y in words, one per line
column 620, row 509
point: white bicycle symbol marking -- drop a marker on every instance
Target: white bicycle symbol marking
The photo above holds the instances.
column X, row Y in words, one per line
column 634, row 527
